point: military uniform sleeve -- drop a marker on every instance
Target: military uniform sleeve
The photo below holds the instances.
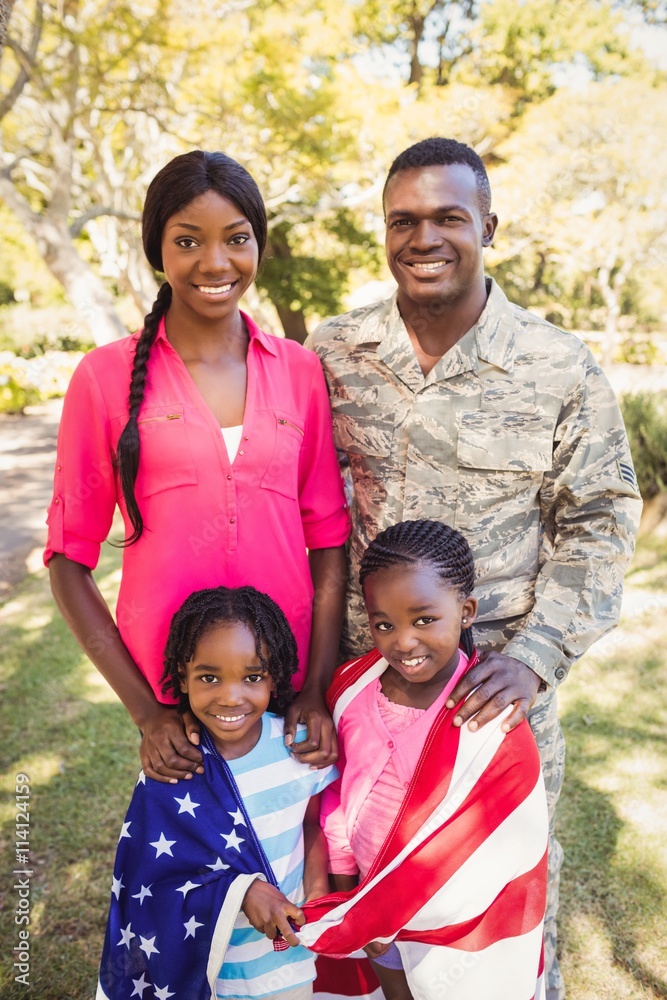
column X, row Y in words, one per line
column 84, row 490
column 316, row 343
column 590, row 508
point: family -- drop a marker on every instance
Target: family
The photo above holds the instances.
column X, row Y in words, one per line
column 338, row 780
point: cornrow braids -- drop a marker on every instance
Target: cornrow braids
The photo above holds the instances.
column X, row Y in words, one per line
column 410, row 542
column 206, row 609
column 129, row 446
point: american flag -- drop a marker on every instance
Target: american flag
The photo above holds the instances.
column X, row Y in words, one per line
column 460, row 882
column 186, row 856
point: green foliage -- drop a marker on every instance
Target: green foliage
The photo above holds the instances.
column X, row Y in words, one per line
column 645, row 416
column 315, row 282
column 25, row 381
column 316, row 97
column 638, row 351
column 15, row 395
column 6, row 293
column 531, row 47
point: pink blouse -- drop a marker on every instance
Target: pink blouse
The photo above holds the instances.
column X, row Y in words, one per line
column 359, row 809
column 207, row 522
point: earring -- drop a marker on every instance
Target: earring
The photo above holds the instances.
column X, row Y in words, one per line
column 464, row 621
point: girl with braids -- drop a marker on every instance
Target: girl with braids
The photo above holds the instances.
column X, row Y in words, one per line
column 214, row 440
column 232, row 859
column 437, row 835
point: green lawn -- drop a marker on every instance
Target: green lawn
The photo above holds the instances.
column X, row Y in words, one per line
column 63, row 727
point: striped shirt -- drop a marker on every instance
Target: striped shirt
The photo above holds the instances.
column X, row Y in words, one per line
column 275, row 789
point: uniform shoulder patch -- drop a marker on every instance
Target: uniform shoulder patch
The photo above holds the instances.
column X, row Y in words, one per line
column 627, row 474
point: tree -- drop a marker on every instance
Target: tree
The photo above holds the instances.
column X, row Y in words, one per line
column 82, row 84
column 583, row 189
column 5, row 14
column 410, row 27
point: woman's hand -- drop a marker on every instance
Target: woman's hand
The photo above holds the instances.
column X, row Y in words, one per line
column 319, row 748
column 268, row 910
column 168, row 745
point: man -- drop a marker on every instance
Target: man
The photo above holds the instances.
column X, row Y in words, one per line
column 451, row 403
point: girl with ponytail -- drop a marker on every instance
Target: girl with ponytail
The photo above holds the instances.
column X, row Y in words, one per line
column 214, row 441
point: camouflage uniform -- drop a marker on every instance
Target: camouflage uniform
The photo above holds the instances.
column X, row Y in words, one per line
column 515, row 439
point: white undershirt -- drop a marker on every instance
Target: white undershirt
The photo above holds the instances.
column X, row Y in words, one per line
column 232, row 438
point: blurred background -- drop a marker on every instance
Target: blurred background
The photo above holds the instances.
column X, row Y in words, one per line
column 566, row 102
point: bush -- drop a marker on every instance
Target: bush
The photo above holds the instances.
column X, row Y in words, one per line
column 26, row 381
column 645, row 416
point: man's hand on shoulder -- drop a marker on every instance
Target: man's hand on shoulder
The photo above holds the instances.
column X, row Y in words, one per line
column 500, row 681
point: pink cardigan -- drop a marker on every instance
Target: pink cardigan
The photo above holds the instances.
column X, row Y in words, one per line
column 207, row 522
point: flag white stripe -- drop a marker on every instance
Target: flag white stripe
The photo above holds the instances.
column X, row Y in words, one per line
column 512, row 850
column 507, row 968
column 351, row 693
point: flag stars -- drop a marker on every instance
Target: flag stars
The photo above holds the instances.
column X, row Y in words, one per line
column 233, row 840
column 237, row 817
column 162, row 846
column 148, row 946
column 116, row 885
column 185, row 888
column 163, row 993
column 191, row 928
column 126, row 936
column 218, row 866
column 143, row 892
column 186, row 805
column 139, row 986
column 125, row 831
column 141, row 780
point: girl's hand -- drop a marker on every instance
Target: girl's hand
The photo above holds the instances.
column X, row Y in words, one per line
column 167, row 751
column 320, row 748
column 267, row 910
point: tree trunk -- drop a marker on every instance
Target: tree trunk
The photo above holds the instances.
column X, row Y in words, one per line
column 5, row 14
column 84, row 289
column 416, row 31
column 293, row 323
column 293, row 320
column 611, row 288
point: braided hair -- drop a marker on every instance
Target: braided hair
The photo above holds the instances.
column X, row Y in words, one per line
column 183, row 179
column 205, row 610
column 432, row 542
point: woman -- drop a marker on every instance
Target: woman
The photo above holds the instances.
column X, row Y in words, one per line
column 214, row 439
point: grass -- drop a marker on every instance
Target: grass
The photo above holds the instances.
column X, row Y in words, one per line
column 63, row 727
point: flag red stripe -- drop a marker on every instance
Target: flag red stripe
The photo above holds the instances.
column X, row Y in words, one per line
column 518, row 909
column 434, row 862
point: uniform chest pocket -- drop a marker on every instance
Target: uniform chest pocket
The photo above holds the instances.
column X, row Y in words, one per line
column 507, row 441
column 368, row 436
column 282, row 472
column 165, row 458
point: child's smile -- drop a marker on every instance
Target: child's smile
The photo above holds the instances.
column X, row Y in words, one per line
column 228, row 688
